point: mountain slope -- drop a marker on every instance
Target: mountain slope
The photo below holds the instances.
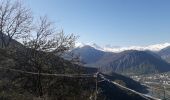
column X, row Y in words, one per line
column 12, row 44
column 165, row 53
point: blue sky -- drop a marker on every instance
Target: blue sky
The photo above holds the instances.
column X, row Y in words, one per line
column 115, row 22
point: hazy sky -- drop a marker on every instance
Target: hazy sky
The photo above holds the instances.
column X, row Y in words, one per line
column 115, row 22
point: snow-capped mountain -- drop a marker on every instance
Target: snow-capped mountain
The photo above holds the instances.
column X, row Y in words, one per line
column 94, row 45
column 110, row 48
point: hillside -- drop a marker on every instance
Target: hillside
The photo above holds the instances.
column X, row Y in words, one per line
column 112, row 91
column 18, row 85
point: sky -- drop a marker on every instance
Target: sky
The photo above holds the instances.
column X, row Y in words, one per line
column 113, row 22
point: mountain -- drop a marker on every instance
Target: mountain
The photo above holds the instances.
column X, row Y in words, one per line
column 135, row 62
column 126, row 62
column 89, row 55
column 165, row 53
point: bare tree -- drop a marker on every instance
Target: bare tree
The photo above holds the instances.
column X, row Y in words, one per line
column 15, row 21
column 43, row 46
column 46, row 38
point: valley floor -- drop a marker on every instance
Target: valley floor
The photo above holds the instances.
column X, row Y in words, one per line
column 158, row 84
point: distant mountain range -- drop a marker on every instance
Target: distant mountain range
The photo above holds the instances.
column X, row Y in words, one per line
column 126, row 62
column 110, row 48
